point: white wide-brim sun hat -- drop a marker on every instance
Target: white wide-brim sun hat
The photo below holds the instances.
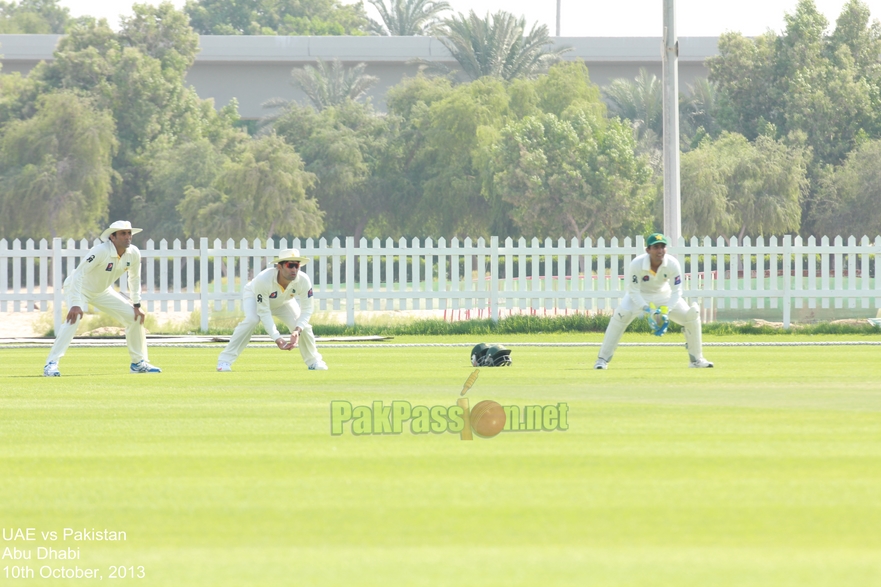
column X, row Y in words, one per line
column 119, row 225
column 290, row 255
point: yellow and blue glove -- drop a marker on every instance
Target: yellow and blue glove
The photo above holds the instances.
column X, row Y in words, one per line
column 657, row 319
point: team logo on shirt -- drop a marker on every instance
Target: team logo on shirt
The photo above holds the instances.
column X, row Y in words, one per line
column 91, row 258
column 273, row 295
column 309, row 294
column 109, row 267
column 259, row 298
column 678, row 280
column 645, row 277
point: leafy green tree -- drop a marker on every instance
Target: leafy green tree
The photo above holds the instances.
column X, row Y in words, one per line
column 331, row 85
column 407, row 18
column 170, row 169
column 163, row 33
column 498, row 46
column 447, row 135
column 260, row 195
column 859, row 37
column 744, row 73
column 413, row 96
column 276, row 17
column 567, row 84
column 172, row 172
column 451, row 160
column 355, row 155
column 809, row 86
column 55, row 169
column 138, row 75
column 14, row 90
column 731, row 186
column 848, row 195
column 412, row 101
column 806, row 86
column 573, row 176
column 33, row 17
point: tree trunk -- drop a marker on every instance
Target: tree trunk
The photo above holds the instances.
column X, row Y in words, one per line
column 271, row 231
column 359, row 230
column 580, row 235
column 740, row 257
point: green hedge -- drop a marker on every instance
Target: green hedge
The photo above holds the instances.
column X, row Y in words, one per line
column 575, row 323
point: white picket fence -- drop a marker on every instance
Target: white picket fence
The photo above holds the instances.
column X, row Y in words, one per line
column 492, row 278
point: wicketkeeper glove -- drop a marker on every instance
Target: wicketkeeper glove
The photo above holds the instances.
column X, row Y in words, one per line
column 657, row 319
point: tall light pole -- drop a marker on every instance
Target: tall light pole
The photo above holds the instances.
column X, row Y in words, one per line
column 672, row 203
column 558, row 17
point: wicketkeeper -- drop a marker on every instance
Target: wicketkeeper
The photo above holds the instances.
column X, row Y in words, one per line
column 283, row 291
column 654, row 284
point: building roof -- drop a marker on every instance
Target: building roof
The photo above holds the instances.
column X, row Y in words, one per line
column 273, row 49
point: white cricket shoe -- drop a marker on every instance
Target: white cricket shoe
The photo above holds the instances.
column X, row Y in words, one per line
column 601, row 364
column 701, row 363
column 51, row 369
column 318, row 366
column 144, row 367
column 224, row 367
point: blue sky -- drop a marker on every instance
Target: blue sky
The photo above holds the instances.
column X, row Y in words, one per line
column 597, row 18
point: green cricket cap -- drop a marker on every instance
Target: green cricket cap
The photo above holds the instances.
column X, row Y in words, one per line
column 655, row 238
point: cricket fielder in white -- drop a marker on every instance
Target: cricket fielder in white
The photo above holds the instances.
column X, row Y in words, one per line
column 654, row 278
column 280, row 290
column 92, row 283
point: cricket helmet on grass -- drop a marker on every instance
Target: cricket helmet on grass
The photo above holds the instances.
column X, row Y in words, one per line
column 490, row 355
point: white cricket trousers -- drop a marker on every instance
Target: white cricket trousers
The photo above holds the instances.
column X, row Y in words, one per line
column 289, row 312
column 113, row 304
column 687, row 316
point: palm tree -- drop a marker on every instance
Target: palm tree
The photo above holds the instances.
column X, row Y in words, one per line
column 330, row 84
column 495, row 46
column 641, row 101
column 699, row 110
column 407, row 18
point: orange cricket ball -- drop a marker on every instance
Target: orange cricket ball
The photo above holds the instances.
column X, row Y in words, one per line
column 487, row 418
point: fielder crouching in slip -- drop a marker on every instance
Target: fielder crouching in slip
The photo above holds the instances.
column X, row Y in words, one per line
column 92, row 283
column 656, row 279
column 276, row 291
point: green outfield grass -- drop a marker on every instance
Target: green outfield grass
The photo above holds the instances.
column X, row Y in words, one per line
column 764, row 471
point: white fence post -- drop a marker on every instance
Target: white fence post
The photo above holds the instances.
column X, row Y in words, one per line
column 877, row 251
column 203, row 283
column 350, row 280
column 787, row 293
column 16, row 274
column 4, row 271
column 56, row 283
column 494, row 278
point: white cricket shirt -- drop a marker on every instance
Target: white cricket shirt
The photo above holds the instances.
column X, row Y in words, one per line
column 100, row 270
column 661, row 288
column 271, row 296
